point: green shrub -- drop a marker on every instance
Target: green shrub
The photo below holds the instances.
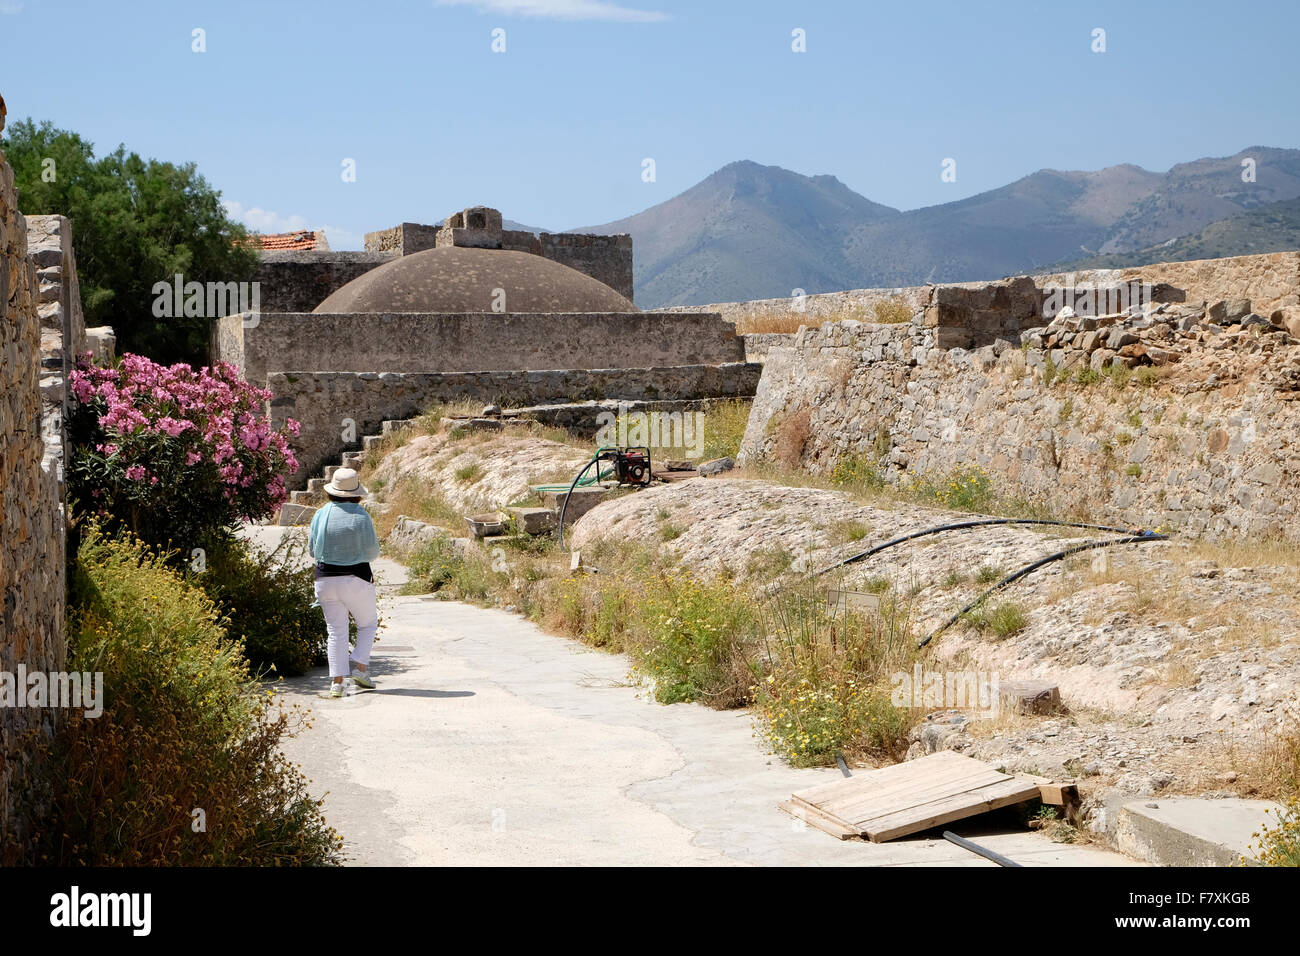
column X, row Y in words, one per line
column 962, row 489
column 695, row 628
column 724, row 427
column 1119, row 374
column 1050, row 369
column 1280, row 845
column 436, row 568
column 858, row 472
column 829, row 679
column 809, row 718
column 1003, row 620
column 184, row 729
column 267, row 600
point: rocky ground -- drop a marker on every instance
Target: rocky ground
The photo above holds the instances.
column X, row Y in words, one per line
column 481, row 471
column 1175, row 661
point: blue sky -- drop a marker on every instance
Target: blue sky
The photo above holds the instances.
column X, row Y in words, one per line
column 554, row 130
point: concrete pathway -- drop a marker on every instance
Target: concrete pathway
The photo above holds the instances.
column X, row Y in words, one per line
column 491, row 742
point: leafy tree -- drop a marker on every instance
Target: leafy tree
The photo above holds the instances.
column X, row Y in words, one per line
column 135, row 222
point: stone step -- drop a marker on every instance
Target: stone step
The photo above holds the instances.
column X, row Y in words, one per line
column 582, row 501
column 395, row 425
column 1187, row 831
column 316, row 484
column 311, row 499
column 295, row 514
column 534, row 520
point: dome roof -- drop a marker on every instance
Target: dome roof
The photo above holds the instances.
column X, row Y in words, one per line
column 463, row 279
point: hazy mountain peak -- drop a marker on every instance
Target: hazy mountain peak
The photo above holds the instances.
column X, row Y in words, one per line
column 749, row 230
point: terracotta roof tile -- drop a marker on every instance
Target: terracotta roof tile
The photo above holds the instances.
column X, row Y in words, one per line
column 300, row 241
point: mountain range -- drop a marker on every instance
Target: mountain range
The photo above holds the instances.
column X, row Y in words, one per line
column 750, row 231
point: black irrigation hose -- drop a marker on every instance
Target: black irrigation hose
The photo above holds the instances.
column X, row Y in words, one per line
column 596, row 459
column 559, row 529
column 983, row 851
column 1139, row 538
column 967, row 524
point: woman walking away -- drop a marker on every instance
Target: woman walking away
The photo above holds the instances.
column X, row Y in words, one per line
column 342, row 540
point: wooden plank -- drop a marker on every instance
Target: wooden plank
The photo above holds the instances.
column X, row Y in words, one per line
column 890, row 802
column 820, row 820
column 947, row 809
column 1059, row 794
column 870, row 806
column 1054, row 794
column 866, row 800
column 921, row 768
column 845, row 797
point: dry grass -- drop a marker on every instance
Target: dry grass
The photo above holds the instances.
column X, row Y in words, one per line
column 773, row 322
column 792, row 434
column 891, row 311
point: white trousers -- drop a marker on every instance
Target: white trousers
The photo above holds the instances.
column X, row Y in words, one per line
column 338, row 597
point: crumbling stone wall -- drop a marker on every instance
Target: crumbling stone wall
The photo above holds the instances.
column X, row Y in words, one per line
column 31, row 521
column 1271, row 281
column 962, row 315
column 1210, row 444
column 321, row 401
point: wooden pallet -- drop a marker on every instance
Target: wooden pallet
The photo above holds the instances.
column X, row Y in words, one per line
column 891, row 802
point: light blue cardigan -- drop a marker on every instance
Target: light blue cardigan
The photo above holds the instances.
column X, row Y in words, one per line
column 342, row 533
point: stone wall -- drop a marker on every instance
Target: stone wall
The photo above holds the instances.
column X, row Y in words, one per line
column 320, row 401
column 1210, row 444
column 1270, row 281
column 300, row 281
column 964, row 314
column 32, row 524
column 607, row 258
column 470, row 342
column 854, row 304
column 402, row 239
column 63, row 327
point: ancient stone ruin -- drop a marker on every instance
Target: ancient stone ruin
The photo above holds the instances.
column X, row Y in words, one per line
column 468, row 310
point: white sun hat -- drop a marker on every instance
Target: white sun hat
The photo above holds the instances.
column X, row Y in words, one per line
column 346, row 484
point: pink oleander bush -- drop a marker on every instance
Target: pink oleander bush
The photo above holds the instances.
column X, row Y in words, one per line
column 175, row 455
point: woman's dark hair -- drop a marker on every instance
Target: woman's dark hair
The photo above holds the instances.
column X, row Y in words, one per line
column 339, row 499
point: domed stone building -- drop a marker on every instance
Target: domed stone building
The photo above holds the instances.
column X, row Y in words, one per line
column 456, row 279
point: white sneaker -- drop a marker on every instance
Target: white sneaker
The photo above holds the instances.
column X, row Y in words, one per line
column 362, row 679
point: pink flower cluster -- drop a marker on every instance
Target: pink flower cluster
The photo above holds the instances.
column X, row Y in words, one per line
column 152, row 416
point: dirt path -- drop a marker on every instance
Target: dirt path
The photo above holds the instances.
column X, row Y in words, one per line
column 492, row 742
